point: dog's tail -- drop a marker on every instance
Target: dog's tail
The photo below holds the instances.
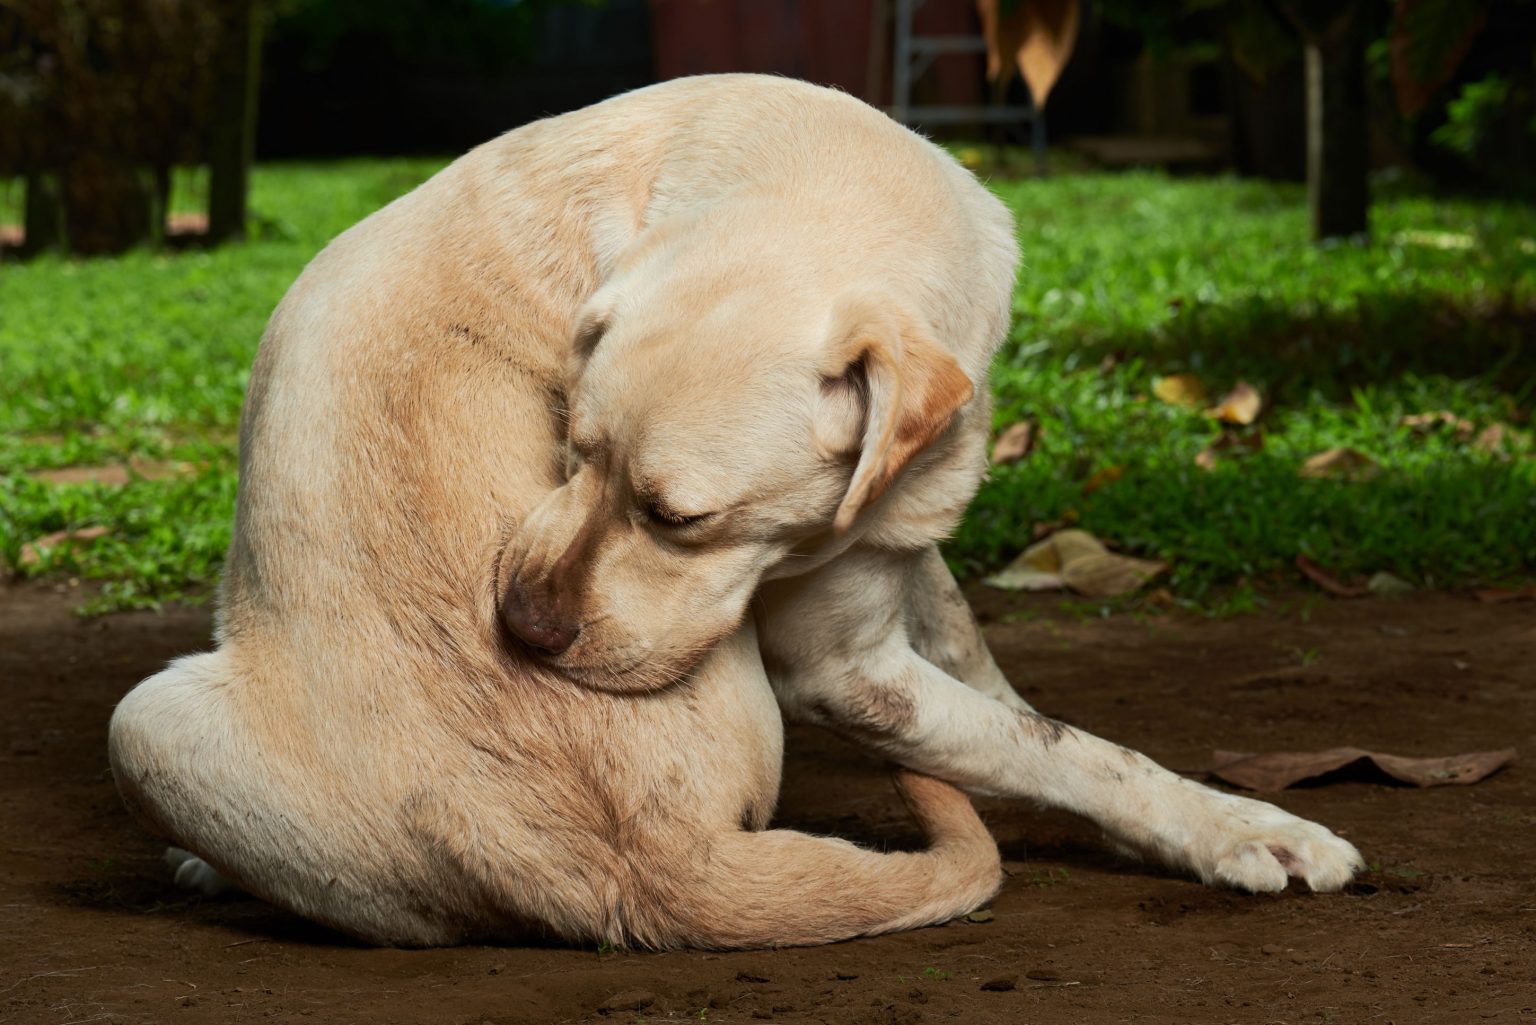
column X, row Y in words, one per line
column 780, row 888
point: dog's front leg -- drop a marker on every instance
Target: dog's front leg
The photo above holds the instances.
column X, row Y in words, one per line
column 943, row 629
column 840, row 654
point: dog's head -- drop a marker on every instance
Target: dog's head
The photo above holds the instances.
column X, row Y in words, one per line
column 724, row 425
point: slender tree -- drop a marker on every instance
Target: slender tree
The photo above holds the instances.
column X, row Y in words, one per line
column 232, row 129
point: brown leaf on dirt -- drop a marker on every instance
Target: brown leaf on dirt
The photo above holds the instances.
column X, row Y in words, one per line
column 1425, row 423
column 1109, row 575
column 1015, row 443
column 1229, row 441
column 1277, row 770
column 1102, row 477
column 1075, row 560
column 113, row 475
column 1340, row 463
column 1500, row 595
column 1179, row 390
column 32, row 552
column 1240, row 406
column 1330, row 581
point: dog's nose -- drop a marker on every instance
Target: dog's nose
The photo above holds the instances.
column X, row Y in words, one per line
column 535, row 624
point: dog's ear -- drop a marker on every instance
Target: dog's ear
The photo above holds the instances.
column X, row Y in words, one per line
column 910, row 389
column 591, row 325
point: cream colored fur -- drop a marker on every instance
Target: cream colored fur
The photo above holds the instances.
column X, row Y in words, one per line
column 366, row 747
column 543, row 464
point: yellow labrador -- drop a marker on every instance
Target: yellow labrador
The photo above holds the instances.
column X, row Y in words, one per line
column 368, row 747
column 519, row 451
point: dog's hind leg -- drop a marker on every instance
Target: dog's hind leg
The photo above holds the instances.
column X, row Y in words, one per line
column 254, row 809
column 944, row 631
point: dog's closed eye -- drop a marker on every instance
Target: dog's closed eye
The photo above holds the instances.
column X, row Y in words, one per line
column 659, row 513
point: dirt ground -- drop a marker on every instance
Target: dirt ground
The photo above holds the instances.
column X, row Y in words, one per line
column 1442, row 930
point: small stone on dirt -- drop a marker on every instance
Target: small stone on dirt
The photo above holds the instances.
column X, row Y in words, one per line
column 1001, row 984
column 629, row 1000
column 984, row 915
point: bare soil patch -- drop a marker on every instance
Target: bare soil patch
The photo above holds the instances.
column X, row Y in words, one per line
column 1441, row 931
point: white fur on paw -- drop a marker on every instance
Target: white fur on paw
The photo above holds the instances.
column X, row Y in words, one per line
column 1254, row 846
column 193, row 873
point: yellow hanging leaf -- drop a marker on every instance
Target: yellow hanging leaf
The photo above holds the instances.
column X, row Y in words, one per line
column 1035, row 37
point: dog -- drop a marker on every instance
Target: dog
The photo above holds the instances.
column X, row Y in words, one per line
column 555, row 474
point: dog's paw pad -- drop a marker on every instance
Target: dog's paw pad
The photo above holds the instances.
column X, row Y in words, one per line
column 193, row 873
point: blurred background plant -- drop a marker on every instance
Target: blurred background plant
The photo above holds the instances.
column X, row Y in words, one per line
column 1168, row 256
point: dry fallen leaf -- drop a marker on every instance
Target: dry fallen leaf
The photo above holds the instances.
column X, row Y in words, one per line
column 32, row 552
column 1015, row 443
column 1491, row 439
column 1077, row 561
column 1424, row 423
column 112, row 475
column 1335, row 463
column 1277, row 770
column 1102, row 477
column 1179, row 390
column 1330, row 581
column 1229, row 441
column 1109, row 575
column 1239, row 406
column 1046, row 528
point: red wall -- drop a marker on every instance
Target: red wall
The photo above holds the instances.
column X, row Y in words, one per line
column 826, row 41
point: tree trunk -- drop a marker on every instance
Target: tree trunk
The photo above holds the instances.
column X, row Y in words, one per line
column 232, row 134
column 108, row 205
column 44, row 218
column 1338, row 132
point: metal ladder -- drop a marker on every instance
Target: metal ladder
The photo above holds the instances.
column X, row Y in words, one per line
column 915, row 54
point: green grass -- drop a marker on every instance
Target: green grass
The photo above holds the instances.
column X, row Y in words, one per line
column 1216, row 278
column 1126, row 278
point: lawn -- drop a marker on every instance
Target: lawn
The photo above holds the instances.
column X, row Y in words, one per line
column 140, row 362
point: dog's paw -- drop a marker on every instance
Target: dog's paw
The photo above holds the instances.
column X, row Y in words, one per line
column 195, row 874
column 1254, row 846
